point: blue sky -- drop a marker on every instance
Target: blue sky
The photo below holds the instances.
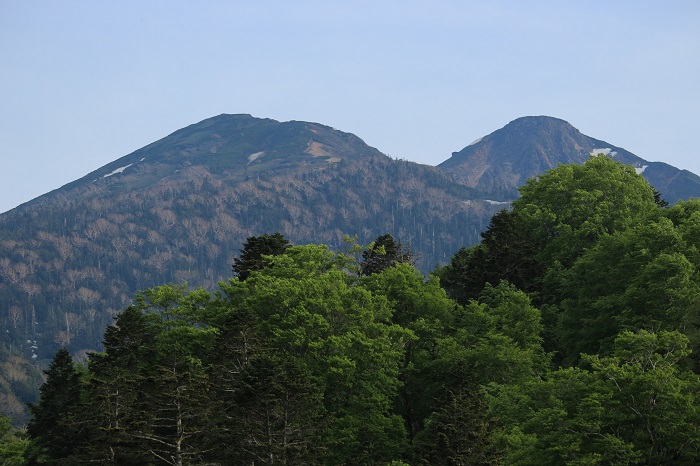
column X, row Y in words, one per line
column 83, row 83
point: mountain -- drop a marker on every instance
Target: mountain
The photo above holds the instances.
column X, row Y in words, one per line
column 180, row 209
column 502, row 161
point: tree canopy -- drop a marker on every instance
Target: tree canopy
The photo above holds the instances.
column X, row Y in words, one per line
column 569, row 336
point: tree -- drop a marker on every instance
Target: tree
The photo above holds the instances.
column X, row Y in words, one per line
column 465, row 276
column 571, row 206
column 423, row 308
column 458, row 432
column 508, row 251
column 640, row 278
column 254, row 252
column 636, row 406
column 342, row 345
column 54, row 431
column 382, row 253
column 12, row 445
column 149, row 390
column 278, row 414
column 176, row 380
column 655, row 403
column 116, row 405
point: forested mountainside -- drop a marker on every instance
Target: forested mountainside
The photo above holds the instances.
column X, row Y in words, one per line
column 568, row 336
column 501, row 162
column 180, row 209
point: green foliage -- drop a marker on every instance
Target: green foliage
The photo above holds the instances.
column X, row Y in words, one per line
column 117, row 411
column 634, row 407
column 342, row 337
column 641, row 278
column 457, row 432
column 12, row 444
column 572, row 206
column 508, row 251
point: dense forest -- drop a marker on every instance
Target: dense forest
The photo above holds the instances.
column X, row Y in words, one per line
column 568, row 336
column 71, row 262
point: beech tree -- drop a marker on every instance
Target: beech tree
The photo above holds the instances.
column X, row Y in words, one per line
column 12, row 446
column 642, row 278
column 343, row 346
column 571, row 206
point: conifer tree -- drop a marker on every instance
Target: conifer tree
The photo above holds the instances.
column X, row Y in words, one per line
column 254, row 249
column 382, row 253
column 117, row 378
column 54, row 431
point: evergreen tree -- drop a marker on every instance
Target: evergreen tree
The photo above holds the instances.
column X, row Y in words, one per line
column 55, row 431
column 508, row 251
column 382, row 253
column 117, row 407
column 278, row 414
column 253, row 254
column 12, row 445
column 458, row 432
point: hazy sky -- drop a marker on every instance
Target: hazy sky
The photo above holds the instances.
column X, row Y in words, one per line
column 83, row 83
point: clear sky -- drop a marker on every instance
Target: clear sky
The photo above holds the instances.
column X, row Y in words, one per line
column 83, row 83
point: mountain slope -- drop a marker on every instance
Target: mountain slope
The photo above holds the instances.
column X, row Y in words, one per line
column 179, row 210
column 502, row 161
column 234, row 147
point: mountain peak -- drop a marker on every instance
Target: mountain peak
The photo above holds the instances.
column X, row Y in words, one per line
column 526, row 147
column 233, row 147
column 538, row 120
column 502, row 161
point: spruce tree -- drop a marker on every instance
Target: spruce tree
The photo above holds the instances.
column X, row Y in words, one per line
column 55, row 431
column 117, row 408
column 254, row 249
column 382, row 253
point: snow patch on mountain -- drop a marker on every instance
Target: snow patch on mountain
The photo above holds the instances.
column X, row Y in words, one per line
column 641, row 169
column 254, row 157
column 606, row 151
column 118, row 170
column 489, row 201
